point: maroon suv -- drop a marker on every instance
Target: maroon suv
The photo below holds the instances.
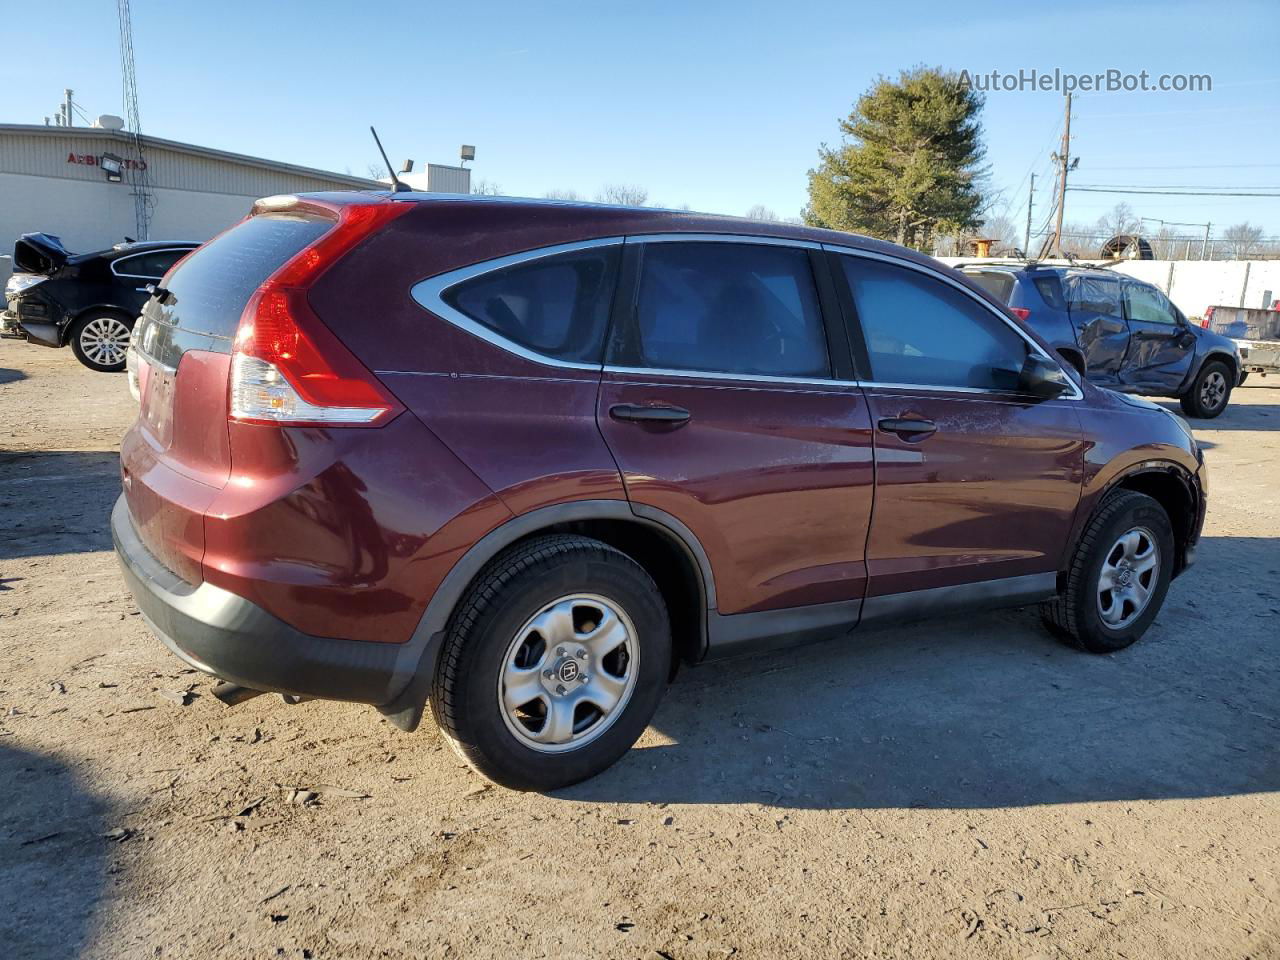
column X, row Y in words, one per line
column 516, row 459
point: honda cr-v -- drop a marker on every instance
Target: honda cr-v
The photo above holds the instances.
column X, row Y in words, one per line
column 515, row 460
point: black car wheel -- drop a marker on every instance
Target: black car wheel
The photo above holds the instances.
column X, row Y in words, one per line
column 100, row 341
column 553, row 664
column 1209, row 392
column 1118, row 577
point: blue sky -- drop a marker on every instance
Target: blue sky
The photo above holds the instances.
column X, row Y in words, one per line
column 720, row 106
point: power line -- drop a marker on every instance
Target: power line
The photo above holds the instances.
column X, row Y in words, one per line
column 1171, row 193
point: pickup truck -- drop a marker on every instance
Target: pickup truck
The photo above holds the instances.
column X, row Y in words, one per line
column 1255, row 332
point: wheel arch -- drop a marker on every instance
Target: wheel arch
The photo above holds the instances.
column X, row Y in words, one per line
column 666, row 548
column 1217, row 353
column 1172, row 486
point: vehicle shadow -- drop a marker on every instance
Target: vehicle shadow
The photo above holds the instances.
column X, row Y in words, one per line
column 1237, row 416
column 9, row 375
column 53, row 858
column 986, row 711
column 57, row 501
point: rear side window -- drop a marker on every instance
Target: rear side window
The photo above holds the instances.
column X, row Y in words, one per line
column 996, row 282
column 736, row 308
column 211, row 288
column 557, row 306
column 919, row 330
column 1093, row 296
column 1050, row 289
column 153, row 265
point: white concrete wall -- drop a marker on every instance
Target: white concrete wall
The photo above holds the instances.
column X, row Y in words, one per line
column 92, row 215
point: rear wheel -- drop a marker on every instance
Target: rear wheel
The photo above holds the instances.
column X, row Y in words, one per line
column 100, row 340
column 1209, row 392
column 1118, row 577
column 553, row 664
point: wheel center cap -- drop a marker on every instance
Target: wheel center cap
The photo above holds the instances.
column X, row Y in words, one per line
column 1124, row 577
column 569, row 671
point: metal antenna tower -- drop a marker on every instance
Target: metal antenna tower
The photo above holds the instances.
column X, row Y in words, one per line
column 138, row 169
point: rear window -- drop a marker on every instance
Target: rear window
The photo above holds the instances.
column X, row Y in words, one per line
column 209, row 291
column 996, row 282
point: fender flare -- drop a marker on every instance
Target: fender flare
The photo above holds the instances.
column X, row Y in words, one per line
column 416, row 665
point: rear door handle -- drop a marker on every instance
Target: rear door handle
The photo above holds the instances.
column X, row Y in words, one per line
column 908, row 428
column 634, row 413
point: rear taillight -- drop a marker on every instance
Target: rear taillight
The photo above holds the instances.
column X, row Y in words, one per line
column 287, row 367
column 1020, row 312
column 1208, row 317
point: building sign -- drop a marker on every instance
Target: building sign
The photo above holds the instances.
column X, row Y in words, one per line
column 89, row 160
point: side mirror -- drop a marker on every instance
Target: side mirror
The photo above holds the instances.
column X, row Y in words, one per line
column 1043, row 378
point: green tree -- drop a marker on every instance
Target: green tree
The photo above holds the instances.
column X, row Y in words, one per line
column 911, row 164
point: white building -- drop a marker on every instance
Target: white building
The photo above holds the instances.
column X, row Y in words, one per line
column 53, row 179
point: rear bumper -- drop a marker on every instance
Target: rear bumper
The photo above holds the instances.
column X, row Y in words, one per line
column 229, row 637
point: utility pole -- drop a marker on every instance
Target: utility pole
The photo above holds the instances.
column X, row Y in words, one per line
column 1204, row 250
column 1063, row 167
column 1026, row 242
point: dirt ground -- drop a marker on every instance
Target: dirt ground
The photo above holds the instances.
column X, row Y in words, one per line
column 958, row 789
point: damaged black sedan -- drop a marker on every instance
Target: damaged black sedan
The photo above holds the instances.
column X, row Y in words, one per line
column 87, row 301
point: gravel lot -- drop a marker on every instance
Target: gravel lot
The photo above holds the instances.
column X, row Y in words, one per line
column 957, row 789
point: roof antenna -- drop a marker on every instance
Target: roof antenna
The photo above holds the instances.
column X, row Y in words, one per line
column 397, row 185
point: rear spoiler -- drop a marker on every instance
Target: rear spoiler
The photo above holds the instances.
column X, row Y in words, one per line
column 39, row 253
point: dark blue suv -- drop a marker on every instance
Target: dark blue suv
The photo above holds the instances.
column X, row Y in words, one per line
column 1120, row 332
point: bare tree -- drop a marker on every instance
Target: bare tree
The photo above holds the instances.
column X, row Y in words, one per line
column 1083, row 240
column 1001, row 228
column 377, row 170
column 486, row 188
column 1120, row 220
column 624, row 195
column 572, row 196
column 1242, row 239
column 761, row 212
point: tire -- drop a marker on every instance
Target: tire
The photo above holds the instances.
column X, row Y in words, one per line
column 1209, row 392
column 494, row 652
column 99, row 340
column 1081, row 615
column 1243, row 377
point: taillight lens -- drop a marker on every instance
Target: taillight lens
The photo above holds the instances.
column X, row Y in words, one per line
column 287, row 367
column 1020, row 312
column 1208, row 317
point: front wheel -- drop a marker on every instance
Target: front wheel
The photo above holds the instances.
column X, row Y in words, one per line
column 100, row 340
column 553, row 664
column 1118, row 577
column 1209, row 392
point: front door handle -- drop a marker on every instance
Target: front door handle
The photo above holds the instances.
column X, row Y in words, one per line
column 635, row 413
column 908, row 428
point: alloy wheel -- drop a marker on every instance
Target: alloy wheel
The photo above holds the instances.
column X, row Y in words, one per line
column 104, row 340
column 1213, row 391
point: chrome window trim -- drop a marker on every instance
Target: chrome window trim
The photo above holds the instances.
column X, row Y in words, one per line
column 1077, row 393
column 761, row 378
column 430, row 294
column 742, row 238
column 143, row 253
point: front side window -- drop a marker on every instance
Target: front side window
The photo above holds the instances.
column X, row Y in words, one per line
column 919, row 330
column 1147, row 304
column 720, row 307
column 557, row 305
